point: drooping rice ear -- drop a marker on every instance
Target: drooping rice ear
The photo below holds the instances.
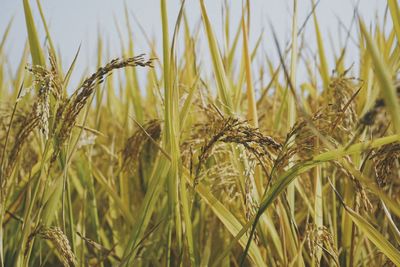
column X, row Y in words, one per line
column 59, row 241
column 69, row 111
column 231, row 130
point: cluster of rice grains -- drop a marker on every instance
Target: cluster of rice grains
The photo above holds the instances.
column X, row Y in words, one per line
column 57, row 239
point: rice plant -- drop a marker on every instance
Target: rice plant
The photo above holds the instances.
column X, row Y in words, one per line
column 205, row 165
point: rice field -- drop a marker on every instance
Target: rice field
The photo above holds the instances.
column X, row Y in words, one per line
column 203, row 165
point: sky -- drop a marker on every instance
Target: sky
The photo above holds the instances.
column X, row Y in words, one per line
column 78, row 22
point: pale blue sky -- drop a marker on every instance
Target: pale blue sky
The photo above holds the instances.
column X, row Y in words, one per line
column 75, row 22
